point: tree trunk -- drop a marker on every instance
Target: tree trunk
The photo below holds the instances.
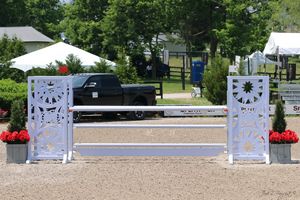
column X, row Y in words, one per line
column 189, row 50
column 153, row 55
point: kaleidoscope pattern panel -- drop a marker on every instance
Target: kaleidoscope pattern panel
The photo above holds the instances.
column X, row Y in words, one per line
column 47, row 117
column 250, row 116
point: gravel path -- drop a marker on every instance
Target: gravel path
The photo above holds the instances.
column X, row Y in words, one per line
column 178, row 95
column 152, row 177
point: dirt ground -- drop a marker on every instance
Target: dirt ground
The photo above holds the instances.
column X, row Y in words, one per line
column 152, row 177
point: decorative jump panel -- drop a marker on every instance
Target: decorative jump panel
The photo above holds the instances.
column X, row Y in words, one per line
column 48, row 118
column 248, row 118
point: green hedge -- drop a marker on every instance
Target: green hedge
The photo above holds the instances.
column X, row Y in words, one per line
column 10, row 91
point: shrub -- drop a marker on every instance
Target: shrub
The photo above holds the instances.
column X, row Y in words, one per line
column 10, row 91
column 101, row 67
column 50, row 70
column 74, row 64
column 17, row 119
column 125, row 71
column 278, row 121
column 215, row 81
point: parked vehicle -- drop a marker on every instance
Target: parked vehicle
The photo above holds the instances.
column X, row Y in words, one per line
column 105, row 89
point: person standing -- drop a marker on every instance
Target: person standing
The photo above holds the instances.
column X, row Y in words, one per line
column 149, row 70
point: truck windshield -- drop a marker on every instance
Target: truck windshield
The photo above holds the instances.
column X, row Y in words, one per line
column 78, row 81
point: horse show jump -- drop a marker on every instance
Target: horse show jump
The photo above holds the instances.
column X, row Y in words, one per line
column 50, row 122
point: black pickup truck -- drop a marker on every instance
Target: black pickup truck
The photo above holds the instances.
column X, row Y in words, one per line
column 105, row 89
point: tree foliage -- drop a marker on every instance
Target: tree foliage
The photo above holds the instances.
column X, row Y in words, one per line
column 12, row 12
column 9, row 49
column 215, row 81
column 285, row 15
column 17, row 118
column 50, row 70
column 43, row 15
column 278, row 121
column 125, row 71
column 245, row 24
column 132, row 22
column 82, row 24
column 74, row 64
column 101, row 67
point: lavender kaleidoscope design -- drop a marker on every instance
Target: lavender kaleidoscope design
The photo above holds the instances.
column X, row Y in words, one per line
column 48, row 118
column 248, row 118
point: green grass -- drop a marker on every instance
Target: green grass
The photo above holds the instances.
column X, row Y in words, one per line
column 197, row 101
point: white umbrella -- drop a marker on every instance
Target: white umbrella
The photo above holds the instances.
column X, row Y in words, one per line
column 59, row 52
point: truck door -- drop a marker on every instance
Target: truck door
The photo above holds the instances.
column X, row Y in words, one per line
column 111, row 91
column 92, row 90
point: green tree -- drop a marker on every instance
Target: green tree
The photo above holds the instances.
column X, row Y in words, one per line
column 285, row 15
column 278, row 121
column 82, row 24
column 242, row 68
column 245, row 24
column 74, row 64
column 125, row 71
column 215, row 81
column 12, row 12
column 44, row 16
column 11, row 48
column 50, row 70
column 17, row 118
column 101, row 67
column 132, row 22
column 194, row 24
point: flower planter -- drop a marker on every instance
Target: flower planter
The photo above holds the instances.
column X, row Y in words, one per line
column 16, row 153
column 280, row 153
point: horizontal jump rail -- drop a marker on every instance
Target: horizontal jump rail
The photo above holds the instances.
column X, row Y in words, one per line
column 149, row 126
column 149, row 149
column 150, row 145
column 144, row 108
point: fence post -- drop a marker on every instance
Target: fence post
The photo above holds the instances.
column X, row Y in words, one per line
column 161, row 90
column 183, row 78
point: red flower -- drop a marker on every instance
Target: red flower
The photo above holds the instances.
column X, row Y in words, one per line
column 277, row 136
column 285, row 137
column 15, row 137
column 295, row 139
column 22, row 138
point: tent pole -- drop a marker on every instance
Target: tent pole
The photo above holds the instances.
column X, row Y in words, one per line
column 265, row 65
column 249, row 67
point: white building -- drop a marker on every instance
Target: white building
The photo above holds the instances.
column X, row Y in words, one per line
column 168, row 45
column 33, row 39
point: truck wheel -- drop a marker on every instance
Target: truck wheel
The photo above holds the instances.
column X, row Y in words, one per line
column 109, row 115
column 76, row 116
column 139, row 115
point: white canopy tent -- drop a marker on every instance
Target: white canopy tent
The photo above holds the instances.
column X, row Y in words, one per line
column 287, row 44
column 283, row 44
column 59, row 51
column 256, row 59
